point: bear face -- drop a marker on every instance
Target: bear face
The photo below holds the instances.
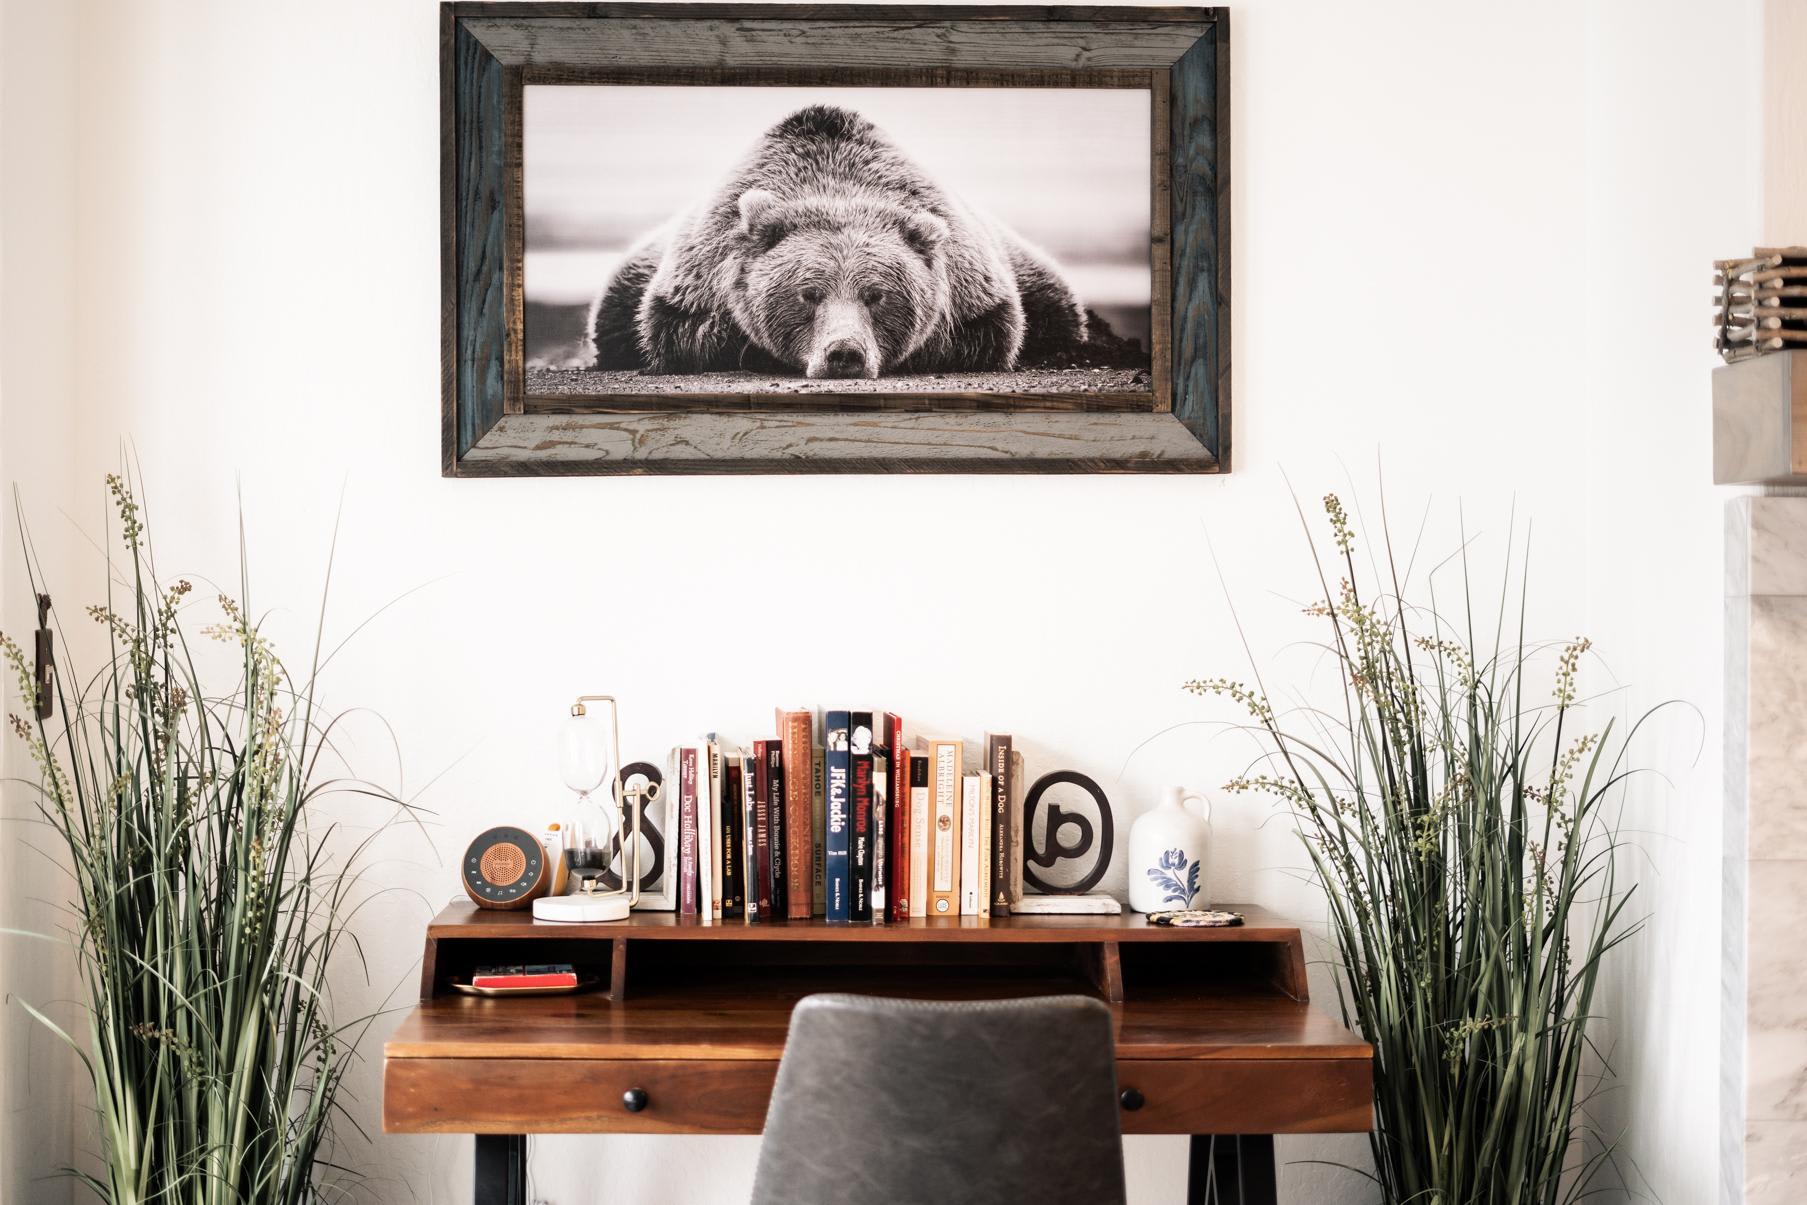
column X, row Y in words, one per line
column 838, row 285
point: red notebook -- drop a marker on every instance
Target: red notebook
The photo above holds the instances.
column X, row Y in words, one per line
column 557, row 975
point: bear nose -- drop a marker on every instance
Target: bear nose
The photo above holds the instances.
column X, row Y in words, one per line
column 845, row 360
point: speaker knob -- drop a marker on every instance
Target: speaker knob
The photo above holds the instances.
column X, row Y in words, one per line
column 1131, row 1100
column 634, row 1100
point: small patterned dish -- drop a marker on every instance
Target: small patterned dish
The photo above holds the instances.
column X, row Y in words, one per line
column 1195, row 918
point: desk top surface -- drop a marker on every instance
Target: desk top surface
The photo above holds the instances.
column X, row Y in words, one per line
column 713, row 1023
column 461, row 920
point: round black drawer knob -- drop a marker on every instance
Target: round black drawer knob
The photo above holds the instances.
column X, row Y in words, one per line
column 634, row 1099
column 1132, row 1100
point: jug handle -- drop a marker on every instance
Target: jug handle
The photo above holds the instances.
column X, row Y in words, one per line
column 1189, row 796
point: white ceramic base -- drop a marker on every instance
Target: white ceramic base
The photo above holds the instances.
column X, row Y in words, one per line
column 1066, row 905
column 572, row 909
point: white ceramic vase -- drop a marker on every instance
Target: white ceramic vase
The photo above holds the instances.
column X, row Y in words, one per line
column 1167, row 847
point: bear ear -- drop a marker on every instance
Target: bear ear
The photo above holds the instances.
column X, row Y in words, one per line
column 924, row 231
column 756, row 205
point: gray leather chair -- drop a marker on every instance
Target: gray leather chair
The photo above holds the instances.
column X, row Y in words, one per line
column 899, row 1102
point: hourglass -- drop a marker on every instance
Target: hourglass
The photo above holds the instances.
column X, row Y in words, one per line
column 595, row 836
column 583, row 763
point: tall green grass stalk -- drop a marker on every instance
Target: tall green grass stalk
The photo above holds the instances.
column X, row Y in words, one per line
column 1456, row 813
column 208, row 900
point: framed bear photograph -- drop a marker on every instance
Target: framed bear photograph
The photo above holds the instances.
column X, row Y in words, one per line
column 767, row 238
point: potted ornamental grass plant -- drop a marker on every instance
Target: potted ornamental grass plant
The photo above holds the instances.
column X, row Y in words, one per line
column 210, row 898
column 1459, row 816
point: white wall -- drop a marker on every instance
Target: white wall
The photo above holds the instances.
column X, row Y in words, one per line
column 1420, row 203
column 37, row 428
column 1668, row 181
column 1674, row 182
column 1784, row 123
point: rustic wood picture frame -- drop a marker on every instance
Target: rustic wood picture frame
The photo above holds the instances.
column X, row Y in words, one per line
column 489, row 52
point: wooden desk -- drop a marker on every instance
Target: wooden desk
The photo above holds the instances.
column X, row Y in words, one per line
column 1215, row 1035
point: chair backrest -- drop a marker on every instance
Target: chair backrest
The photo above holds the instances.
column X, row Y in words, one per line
column 891, row 1102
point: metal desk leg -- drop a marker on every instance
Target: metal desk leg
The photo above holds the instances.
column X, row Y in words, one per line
column 1231, row 1169
column 502, row 1169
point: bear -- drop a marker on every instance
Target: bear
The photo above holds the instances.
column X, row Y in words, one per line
column 828, row 252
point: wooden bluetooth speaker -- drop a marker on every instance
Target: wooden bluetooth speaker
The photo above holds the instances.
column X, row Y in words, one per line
column 506, row 868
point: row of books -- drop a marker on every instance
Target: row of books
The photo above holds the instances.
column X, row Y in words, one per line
column 848, row 819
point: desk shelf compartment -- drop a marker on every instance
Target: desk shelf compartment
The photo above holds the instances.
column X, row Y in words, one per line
column 1114, row 957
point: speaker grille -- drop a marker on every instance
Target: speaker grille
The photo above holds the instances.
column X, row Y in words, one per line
column 502, row 864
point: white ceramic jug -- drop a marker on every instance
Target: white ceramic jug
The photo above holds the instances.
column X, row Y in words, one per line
column 1167, row 846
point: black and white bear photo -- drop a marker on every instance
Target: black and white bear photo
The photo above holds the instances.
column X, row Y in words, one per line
column 997, row 244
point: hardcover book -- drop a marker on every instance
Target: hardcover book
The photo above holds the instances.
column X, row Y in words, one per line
column 687, row 882
column 897, row 826
column 920, row 824
column 795, row 734
column 780, row 888
column 859, row 810
column 881, row 832
column 818, row 833
column 749, row 867
column 1018, row 821
column 708, row 899
column 984, row 874
column 733, row 820
column 897, row 875
column 997, row 763
column 838, row 834
column 944, row 836
column 975, row 814
column 762, row 830
column 716, row 862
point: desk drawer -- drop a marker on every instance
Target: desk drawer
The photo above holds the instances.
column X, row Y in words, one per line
column 575, row 1096
column 1247, row 1096
column 727, row 1096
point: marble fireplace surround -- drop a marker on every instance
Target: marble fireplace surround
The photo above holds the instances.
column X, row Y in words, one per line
column 1764, row 1007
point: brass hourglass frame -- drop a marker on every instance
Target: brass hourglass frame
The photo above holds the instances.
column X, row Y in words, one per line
column 632, row 801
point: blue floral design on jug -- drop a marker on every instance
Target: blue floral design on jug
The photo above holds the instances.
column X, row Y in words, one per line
column 1176, row 877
